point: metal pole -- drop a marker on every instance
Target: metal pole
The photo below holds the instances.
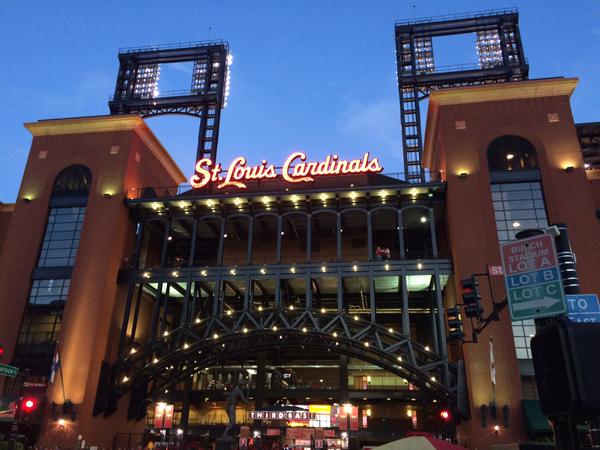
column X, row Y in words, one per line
column 14, row 428
column 566, row 260
column 565, row 427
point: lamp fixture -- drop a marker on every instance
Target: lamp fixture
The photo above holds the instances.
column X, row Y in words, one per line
column 463, row 175
column 569, row 169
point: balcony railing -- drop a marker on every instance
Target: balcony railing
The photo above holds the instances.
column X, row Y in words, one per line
column 458, row 16
column 278, row 184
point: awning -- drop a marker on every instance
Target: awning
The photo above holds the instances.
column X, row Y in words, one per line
column 535, row 420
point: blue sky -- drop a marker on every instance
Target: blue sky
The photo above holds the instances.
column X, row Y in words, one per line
column 314, row 75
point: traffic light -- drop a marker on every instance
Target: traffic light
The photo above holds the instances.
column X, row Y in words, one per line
column 455, row 332
column 445, row 415
column 1, row 351
column 29, row 405
column 471, row 297
column 566, row 371
column 31, row 409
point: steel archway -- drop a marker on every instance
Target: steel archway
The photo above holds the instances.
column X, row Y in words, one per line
column 168, row 360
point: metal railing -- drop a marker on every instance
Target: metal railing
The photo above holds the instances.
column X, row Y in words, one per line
column 175, row 45
column 458, row 68
column 165, row 94
column 458, row 16
column 278, row 184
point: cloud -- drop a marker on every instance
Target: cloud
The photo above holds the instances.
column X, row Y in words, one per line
column 377, row 126
column 184, row 67
column 86, row 90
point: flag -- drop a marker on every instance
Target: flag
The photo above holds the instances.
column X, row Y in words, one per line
column 492, row 362
column 55, row 364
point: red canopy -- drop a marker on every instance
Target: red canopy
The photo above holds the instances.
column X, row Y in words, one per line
column 419, row 441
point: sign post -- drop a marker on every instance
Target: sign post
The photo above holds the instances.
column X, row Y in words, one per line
column 533, row 282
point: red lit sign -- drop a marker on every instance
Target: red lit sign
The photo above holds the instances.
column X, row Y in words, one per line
column 163, row 415
column 295, row 170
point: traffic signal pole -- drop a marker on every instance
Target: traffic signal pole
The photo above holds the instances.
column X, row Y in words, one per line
column 566, row 434
column 14, row 428
column 565, row 428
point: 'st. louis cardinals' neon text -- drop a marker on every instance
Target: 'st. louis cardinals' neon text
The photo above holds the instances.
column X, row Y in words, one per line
column 294, row 170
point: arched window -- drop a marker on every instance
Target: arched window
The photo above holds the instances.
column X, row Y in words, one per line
column 74, row 181
column 65, row 219
column 44, row 312
column 511, row 152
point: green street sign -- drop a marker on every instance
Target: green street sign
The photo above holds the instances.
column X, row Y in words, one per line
column 8, row 371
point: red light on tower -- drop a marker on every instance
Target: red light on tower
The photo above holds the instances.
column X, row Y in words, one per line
column 445, row 415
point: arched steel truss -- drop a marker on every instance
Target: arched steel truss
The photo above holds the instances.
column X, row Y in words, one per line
column 166, row 361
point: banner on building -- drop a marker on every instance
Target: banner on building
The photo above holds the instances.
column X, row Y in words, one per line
column 163, row 415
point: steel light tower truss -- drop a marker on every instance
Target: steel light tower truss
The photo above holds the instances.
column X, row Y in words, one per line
column 501, row 59
column 173, row 357
column 589, row 140
column 137, row 89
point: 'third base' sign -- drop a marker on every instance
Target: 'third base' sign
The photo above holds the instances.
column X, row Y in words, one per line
column 280, row 415
column 533, row 283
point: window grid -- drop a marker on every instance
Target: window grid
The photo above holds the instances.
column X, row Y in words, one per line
column 519, row 206
column 42, row 323
column 523, row 331
column 61, row 238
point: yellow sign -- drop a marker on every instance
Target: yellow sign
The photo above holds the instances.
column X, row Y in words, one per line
column 320, row 409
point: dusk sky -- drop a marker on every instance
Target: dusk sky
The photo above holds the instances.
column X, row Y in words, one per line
column 317, row 76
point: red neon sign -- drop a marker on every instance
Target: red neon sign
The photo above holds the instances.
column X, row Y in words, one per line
column 294, row 170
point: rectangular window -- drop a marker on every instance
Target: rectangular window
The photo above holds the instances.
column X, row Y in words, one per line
column 61, row 238
column 43, row 315
column 519, row 206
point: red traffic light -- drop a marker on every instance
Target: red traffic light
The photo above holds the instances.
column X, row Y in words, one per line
column 29, row 404
column 445, row 415
column 1, row 351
